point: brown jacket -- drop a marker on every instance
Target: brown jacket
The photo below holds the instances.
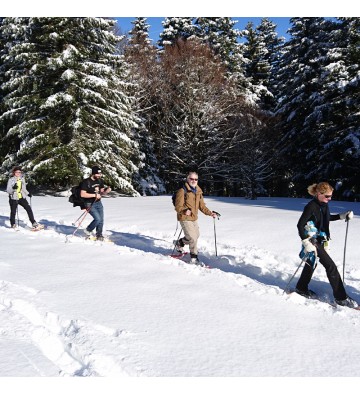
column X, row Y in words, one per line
column 191, row 201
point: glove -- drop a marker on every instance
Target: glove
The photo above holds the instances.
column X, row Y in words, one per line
column 15, row 186
column 327, row 245
column 347, row 215
column 308, row 245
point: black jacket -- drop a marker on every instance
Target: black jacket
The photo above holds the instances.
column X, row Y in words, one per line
column 318, row 213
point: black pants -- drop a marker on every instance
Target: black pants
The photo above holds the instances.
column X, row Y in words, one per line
column 331, row 272
column 23, row 203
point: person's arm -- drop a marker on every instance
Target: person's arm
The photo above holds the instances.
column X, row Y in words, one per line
column 10, row 186
column 180, row 206
column 305, row 216
column 204, row 209
column 88, row 195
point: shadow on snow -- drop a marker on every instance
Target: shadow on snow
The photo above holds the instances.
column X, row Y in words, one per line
column 225, row 263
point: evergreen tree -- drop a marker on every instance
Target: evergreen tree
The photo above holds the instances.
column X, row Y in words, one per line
column 299, row 92
column 319, row 102
column 139, row 34
column 141, row 57
column 257, row 66
column 66, row 90
column 221, row 36
column 269, row 59
column 3, row 146
column 175, row 28
column 338, row 114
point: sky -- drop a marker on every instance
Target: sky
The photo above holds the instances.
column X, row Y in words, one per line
column 125, row 24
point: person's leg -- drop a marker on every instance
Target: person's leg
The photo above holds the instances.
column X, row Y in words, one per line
column 13, row 207
column 100, row 224
column 304, row 280
column 332, row 274
column 24, row 203
column 191, row 232
column 94, row 212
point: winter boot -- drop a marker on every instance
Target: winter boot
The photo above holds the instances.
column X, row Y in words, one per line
column 37, row 226
column 194, row 260
column 306, row 294
column 88, row 233
column 348, row 302
column 179, row 245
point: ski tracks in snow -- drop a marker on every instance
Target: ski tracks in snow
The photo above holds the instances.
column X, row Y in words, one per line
column 71, row 345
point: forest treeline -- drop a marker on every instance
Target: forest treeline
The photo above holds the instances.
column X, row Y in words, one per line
column 252, row 113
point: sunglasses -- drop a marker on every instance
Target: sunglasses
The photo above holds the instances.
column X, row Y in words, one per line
column 327, row 196
column 193, row 179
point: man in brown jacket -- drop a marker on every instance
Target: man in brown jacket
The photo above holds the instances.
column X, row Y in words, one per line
column 187, row 205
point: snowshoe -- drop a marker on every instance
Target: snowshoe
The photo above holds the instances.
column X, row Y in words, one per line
column 348, row 302
column 306, row 294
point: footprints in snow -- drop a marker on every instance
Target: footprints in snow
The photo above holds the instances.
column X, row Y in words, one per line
column 72, row 345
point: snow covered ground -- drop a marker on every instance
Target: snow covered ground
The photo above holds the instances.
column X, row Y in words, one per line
column 127, row 309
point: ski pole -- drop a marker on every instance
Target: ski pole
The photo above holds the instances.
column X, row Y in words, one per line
column 177, row 225
column 346, row 233
column 302, row 261
column 215, row 238
column 83, row 213
column 218, row 217
column 17, row 213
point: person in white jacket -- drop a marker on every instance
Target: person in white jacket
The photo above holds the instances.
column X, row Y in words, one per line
column 16, row 188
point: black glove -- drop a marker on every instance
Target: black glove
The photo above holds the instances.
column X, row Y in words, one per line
column 15, row 186
column 30, row 195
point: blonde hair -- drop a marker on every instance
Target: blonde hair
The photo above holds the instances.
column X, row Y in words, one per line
column 322, row 187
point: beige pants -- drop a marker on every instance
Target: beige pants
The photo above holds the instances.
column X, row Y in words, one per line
column 192, row 233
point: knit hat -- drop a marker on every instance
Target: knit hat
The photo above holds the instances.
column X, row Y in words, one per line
column 95, row 170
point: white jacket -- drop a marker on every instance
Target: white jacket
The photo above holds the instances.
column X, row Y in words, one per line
column 12, row 192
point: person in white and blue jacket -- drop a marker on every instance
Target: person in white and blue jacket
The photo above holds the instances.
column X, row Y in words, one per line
column 16, row 188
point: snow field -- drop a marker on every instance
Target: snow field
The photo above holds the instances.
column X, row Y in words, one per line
column 72, row 308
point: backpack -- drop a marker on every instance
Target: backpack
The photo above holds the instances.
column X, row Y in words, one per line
column 75, row 197
column 173, row 197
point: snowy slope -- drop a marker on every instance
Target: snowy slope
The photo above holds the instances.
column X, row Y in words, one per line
column 69, row 307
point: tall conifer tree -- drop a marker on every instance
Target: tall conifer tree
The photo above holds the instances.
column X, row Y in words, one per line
column 299, row 91
column 175, row 28
column 67, row 91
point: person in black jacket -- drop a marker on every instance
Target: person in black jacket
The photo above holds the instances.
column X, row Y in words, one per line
column 92, row 190
column 317, row 211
